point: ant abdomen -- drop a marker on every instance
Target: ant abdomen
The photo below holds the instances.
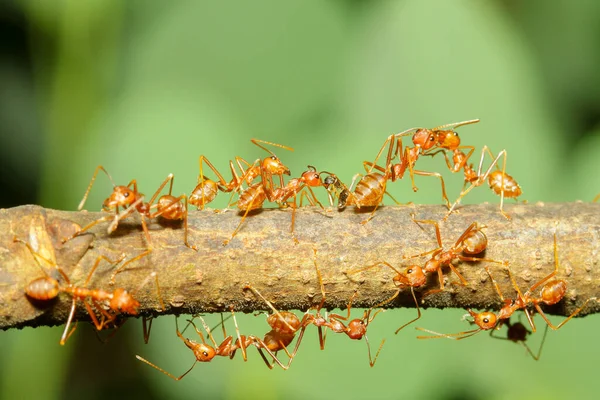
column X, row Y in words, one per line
column 498, row 179
column 42, row 289
column 553, row 292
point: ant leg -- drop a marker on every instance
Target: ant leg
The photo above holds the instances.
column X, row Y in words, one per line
column 237, row 330
column 146, row 328
column 122, row 267
column 165, row 372
column 412, row 291
column 87, row 192
column 98, row 260
column 539, row 353
column 438, row 235
column 550, row 275
column 441, row 280
column 119, row 216
column 453, row 336
column 107, row 318
column 86, row 228
column 250, row 207
column 66, row 334
column 371, row 360
column 275, row 311
column 496, row 286
column 388, row 142
column 349, row 307
column 438, row 175
column 574, row 313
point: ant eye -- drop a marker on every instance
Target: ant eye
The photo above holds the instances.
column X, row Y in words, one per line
column 205, row 354
column 456, row 134
column 126, row 194
column 432, row 139
column 273, row 158
column 410, row 271
column 486, row 320
column 316, row 176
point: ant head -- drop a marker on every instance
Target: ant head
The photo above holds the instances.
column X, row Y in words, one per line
column 203, row 352
column 448, row 139
column 356, row 329
column 124, row 302
column 485, row 320
column 273, row 165
column 311, row 177
column 42, row 289
column 424, row 138
column 415, row 276
column 121, row 196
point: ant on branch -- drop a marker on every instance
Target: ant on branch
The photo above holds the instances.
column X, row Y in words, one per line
column 472, row 242
column 499, row 181
column 207, row 189
column 254, row 197
column 413, row 277
column 131, row 200
column 289, row 324
column 424, row 140
column 108, row 304
column 551, row 292
column 368, row 192
column 204, row 352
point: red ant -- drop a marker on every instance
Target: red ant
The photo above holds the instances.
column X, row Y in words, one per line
column 205, row 352
column 368, row 193
column 295, row 187
column 118, row 301
column 552, row 291
column 290, row 325
column 167, row 207
column 207, row 189
column 423, row 140
column 499, row 181
column 254, row 197
column 517, row 333
column 472, row 241
column 413, row 277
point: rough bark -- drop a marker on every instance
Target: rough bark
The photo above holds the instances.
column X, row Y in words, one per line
column 264, row 255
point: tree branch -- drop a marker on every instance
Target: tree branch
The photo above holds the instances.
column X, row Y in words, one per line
column 264, row 255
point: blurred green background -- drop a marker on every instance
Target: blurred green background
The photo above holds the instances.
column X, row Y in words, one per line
column 145, row 87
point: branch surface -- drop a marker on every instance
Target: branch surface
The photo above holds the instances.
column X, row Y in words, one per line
column 263, row 254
